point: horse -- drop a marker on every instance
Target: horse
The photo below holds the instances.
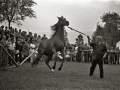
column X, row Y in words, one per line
column 51, row 46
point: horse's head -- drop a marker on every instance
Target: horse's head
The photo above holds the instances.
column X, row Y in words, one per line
column 63, row 21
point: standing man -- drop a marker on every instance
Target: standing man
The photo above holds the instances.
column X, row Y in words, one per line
column 86, row 53
column 98, row 54
column 19, row 48
column 32, row 49
column 39, row 38
column 3, row 55
column 11, row 50
column 44, row 37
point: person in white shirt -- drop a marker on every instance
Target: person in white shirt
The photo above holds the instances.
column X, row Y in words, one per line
column 32, row 49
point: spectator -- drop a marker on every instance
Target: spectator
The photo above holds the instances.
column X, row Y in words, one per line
column 44, row 37
column 19, row 48
column 25, row 50
column 20, row 31
column 2, row 29
column 117, row 55
column 112, row 56
column 1, row 34
column 11, row 50
column 35, row 36
column 68, row 58
column 79, row 56
column 75, row 52
column 7, row 33
column 39, row 38
column 86, row 53
column 29, row 37
column 4, row 55
column 32, row 49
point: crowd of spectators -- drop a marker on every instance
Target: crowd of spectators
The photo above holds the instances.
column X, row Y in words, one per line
column 83, row 53
column 18, row 44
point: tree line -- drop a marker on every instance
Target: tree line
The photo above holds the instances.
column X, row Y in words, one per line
column 110, row 30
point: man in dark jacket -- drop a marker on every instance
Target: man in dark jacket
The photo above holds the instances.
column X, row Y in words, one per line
column 98, row 54
column 44, row 37
column 19, row 48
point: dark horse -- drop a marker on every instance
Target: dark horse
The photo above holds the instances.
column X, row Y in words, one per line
column 54, row 44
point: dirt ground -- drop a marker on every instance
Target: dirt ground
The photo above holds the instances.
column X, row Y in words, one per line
column 73, row 76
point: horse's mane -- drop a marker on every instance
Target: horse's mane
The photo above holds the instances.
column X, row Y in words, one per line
column 54, row 29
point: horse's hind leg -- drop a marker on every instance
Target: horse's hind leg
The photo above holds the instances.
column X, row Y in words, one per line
column 47, row 61
column 63, row 55
column 35, row 62
column 55, row 59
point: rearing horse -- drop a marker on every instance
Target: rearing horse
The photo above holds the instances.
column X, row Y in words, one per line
column 54, row 44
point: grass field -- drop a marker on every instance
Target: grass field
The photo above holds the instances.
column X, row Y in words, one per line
column 74, row 76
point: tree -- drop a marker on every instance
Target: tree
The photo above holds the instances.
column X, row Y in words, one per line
column 16, row 10
column 99, row 32
column 109, row 31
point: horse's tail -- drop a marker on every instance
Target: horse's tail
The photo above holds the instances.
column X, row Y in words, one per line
column 42, row 44
column 35, row 62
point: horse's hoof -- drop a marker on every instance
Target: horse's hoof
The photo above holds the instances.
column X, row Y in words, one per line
column 52, row 70
column 53, row 67
column 59, row 69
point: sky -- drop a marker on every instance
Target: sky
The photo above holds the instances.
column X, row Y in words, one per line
column 83, row 15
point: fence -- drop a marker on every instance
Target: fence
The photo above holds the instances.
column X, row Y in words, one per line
column 4, row 55
column 71, row 55
column 113, row 57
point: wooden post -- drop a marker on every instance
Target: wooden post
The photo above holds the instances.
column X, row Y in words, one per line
column 10, row 56
column 28, row 57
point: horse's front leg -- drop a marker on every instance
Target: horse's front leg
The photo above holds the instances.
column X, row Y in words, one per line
column 63, row 55
column 55, row 59
column 55, row 56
